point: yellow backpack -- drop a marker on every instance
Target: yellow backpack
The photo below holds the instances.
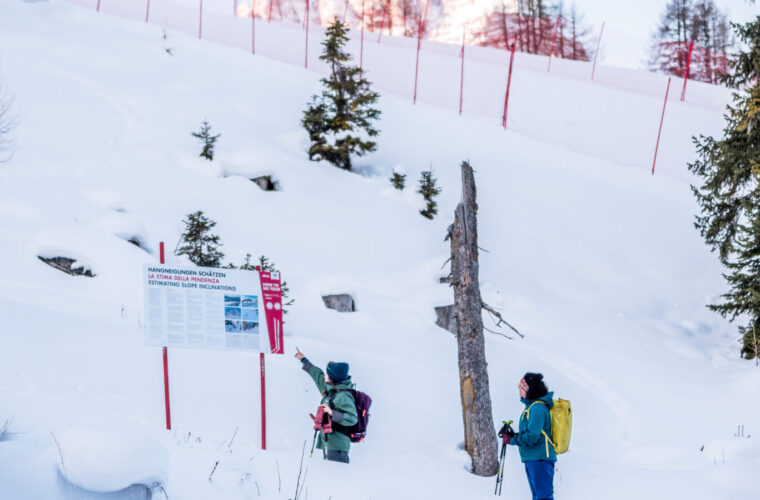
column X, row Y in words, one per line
column 562, row 424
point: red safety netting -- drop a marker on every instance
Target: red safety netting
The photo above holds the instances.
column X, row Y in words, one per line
column 468, row 75
column 703, row 64
column 534, row 35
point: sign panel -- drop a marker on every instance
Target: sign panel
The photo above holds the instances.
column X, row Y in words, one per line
column 212, row 308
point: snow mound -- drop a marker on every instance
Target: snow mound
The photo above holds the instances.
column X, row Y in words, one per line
column 105, row 459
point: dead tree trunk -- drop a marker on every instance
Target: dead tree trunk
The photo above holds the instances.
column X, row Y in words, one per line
column 479, row 433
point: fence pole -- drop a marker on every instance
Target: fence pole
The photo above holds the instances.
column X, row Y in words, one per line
column 97, row 8
column 253, row 26
column 361, row 45
column 598, row 44
column 200, row 21
column 686, row 76
column 269, row 15
column 509, row 82
column 662, row 118
column 420, row 27
column 306, row 52
column 345, row 11
column 147, row 11
column 234, row 8
column 461, row 75
column 382, row 22
column 554, row 40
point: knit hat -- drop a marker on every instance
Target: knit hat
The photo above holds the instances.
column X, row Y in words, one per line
column 536, row 386
column 338, row 372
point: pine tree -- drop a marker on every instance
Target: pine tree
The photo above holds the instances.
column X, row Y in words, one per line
column 247, row 265
column 729, row 197
column 198, row 243
column 340, row 119
column 207, row 139
column 398, row 180
column 428, row 189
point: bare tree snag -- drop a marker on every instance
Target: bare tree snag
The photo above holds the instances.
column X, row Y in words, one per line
column 479, row 431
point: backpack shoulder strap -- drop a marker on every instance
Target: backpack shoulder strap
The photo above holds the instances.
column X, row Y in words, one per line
column 526, row 411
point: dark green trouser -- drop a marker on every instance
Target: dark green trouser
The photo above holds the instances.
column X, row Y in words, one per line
column 337, row 456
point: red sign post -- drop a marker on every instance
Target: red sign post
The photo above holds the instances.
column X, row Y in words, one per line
column 263, row 403
column 271, row 296
column 166, row 363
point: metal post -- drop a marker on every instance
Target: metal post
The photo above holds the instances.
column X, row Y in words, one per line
column 554, row 40
column 686, row 76
column 253, row 26
column 661, row 120
column 306, row 52
column 596, row 54
column 200, row 21
column 461, row 76
column 509, row 82
column 263, row 404
column 361, row 46
column 166, row 360
column 420, row 28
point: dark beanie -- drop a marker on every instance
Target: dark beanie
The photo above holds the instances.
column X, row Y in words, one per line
column 536, row 386
column 337, row 371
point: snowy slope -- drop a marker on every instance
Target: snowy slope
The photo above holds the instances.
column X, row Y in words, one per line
column 597, row 263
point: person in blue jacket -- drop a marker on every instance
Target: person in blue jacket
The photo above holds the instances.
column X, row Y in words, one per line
column 533, row 436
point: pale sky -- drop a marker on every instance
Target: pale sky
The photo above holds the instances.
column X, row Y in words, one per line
column 640, row 17
column 630, row 24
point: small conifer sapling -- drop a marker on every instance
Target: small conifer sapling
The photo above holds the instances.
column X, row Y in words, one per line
column 398, row 180
column 208, row 140
column 428, row 189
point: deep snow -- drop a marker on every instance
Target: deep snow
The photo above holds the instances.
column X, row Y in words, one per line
column 597, row 263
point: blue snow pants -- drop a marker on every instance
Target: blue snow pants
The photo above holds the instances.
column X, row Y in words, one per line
column 541, row 479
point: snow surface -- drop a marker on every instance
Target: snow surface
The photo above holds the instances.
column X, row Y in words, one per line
column 110, row 458
column 596, row 262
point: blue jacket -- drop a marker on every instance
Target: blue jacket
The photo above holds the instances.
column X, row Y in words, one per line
column 535, row 430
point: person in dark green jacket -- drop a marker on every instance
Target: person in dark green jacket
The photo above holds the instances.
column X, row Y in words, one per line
column 338, row 401
column 534, row 436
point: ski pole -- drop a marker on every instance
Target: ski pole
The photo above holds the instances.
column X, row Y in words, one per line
column 510, row 431
column 505, row 430
column 313, row 442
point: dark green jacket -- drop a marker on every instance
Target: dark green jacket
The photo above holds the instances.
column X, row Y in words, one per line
column 343, row 406
column 533, row 443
